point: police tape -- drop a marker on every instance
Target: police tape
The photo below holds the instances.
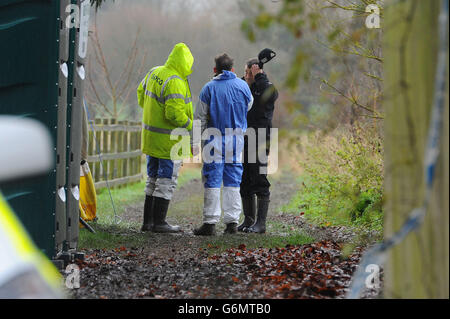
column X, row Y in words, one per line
column 377, row 254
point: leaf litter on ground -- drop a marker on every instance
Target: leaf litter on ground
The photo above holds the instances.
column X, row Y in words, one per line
column 317, row 270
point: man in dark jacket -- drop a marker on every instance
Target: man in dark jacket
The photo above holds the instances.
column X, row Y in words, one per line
column 254, row 183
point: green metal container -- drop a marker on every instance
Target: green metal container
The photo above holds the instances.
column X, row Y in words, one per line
column 32, row 85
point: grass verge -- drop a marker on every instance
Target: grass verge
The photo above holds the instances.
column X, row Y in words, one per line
column 220, row 243
column 109, row 233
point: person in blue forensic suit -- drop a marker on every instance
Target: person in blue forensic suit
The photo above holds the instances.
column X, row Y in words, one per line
column 222, row 109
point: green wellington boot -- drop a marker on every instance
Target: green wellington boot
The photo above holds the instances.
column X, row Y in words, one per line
column 160, row 208
column 148, row 214
column 205, row 230
column 231, row 228
column 249, row 208
column 260, row 225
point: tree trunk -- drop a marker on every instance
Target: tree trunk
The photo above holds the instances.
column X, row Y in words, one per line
column 419, row 266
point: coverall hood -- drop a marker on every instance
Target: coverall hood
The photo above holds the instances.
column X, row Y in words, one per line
column 181, row 60
column 225, row 75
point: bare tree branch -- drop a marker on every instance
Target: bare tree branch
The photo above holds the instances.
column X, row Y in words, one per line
column 118, row 89
column 353, row 99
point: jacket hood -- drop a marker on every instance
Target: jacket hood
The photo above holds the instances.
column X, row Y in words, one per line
column 180, row 60
column 225, row 75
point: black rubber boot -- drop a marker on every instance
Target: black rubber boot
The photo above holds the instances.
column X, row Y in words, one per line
column 205, row 230
column 160, row 208
column 249, row 208
column 260, row 225
column 148, row 214
column 231, row 228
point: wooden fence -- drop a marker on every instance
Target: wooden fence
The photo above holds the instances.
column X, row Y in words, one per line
column 119, row 144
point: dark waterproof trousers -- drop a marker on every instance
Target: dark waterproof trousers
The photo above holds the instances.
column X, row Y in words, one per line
column 254, row 176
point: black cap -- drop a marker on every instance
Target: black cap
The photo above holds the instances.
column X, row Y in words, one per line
column 265, row 56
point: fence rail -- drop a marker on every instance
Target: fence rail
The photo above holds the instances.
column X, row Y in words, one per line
column 119, row 144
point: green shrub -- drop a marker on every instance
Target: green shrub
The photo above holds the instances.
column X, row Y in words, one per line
column 343, row 179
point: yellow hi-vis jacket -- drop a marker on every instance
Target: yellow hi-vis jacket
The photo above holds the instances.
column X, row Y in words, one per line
column 24, row 270
column 165, row 96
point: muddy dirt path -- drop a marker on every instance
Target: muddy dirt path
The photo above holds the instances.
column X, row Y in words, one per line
column 186, row 266
column 186, row 210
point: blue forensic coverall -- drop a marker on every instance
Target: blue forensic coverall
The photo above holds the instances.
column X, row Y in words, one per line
column 222, row 109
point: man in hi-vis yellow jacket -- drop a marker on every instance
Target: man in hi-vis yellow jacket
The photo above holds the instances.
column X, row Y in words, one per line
column 165, row 97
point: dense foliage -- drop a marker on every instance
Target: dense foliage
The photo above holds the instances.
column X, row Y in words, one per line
column 342, row 182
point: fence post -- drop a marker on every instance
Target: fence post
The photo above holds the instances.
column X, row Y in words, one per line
column 113, row 149
column 120, row 150
column 97, row 147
